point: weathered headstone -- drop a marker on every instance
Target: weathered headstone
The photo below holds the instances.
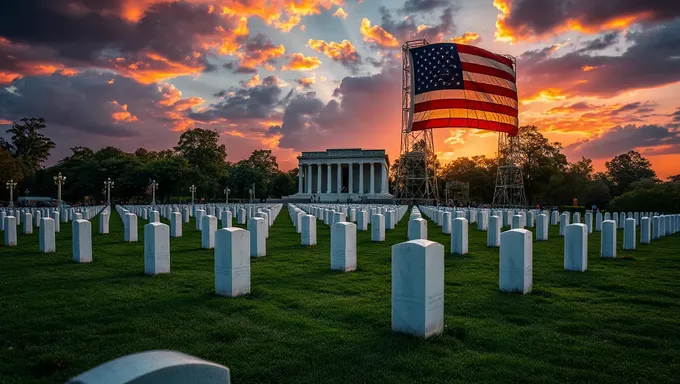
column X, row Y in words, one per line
column 516, row 261
column 418, row 288
column 156, row 248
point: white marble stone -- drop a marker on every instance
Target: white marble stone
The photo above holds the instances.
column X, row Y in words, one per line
column 598, row 221
column 629, row 234
column 517, row 222
column 576, row 247
column 130, row 233
column 10, row 231
column 298, row 220
column 208, row 229
column 199, row 218
column 608, row 240
column 577, row 218
column 542, row 227
column 176, row 224
column 459, row 236
column 156, row 248
column 482, row 220
column 390, row 219
column 226, row 219
column 82, row 241
column 554, row 218
column 588, row 221
column 516, row 261
column 531, row 219
column 309, row 230
column 104, row 223
column 493, row 234
column 154, row 217
column 417, row 229
column 378, row 227
column 645, row 230
column 264, row 216
column 362, row 221
column 232, row 262
column 37, row 215
column 418, row 288
column 241, row 216
column 155, row 367
column 57, row 223
column 258, row 241
column 47, row 240
column 446, row 225
column 622, row 220
column 564, row 221
column 28, row 224
column 344, row 246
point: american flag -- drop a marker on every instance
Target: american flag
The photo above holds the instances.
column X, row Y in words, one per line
column 461, row 86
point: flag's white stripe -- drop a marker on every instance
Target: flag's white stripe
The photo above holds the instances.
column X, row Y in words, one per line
column 464, row 113
column 466, row 95
column 491, row 80
column 474, row 59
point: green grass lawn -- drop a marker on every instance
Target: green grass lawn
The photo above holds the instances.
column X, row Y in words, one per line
column 618, row 322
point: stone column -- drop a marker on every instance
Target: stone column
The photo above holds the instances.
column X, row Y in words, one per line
column 318, row 181
column 361, row 177
column 339, row 186
column 384, row 189
column 329, row 168
column 300, row 179
column 372, row 191
column 350, row 183
column 309, row 178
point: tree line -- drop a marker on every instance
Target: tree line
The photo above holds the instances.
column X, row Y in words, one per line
column 628, row 181
column 197, row 159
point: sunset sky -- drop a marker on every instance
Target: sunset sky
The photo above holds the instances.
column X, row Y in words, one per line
column 601, row 77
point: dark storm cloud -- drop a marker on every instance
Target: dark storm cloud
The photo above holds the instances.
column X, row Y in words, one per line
column 621, row 139
column 651, row 60
column 258, row 102
column 423, row 5
column 538, row 17
column 404, row 29
column 603, row 42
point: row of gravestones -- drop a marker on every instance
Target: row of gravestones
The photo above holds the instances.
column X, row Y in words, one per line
column 48, row 221
column 344, row 224
column 651, row 227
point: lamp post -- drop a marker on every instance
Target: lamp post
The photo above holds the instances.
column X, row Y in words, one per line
column 108, row 184
column 154, row 186
column 59, row 181
column 226, row 192
column 193, row 193
column 11, row 185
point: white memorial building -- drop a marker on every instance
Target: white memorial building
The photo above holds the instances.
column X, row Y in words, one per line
column 343, row 174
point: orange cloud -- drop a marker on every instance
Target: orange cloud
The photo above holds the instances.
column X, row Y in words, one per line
column 340, row 13
column 300, row 62
column 123, row 115
column 375, row 34
column 587, row 68
column 282, row 14
column 306, row 82
column 343, row 51
column 467, row 38
column 153, row 68
column 545, row 95
column 176, row 106
column 253, row 58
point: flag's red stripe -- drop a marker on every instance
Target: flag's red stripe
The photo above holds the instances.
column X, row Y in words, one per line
column 488, row 88
column 464, row 104
column 462, row 48
column 484, row 70
column 465, row 123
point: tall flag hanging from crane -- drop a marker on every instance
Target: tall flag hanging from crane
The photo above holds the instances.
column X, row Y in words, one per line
column 461, row 86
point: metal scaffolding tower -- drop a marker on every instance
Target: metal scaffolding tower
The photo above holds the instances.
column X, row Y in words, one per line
column 509, row 180
column 416, row 177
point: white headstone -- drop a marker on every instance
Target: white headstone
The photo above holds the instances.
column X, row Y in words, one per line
column 175, row 224
column 417, row 229
column 156, row 248
column 588, row 221
column 378, row 227
column 199, row 219
column 131, row 232
column 629, row 234
column 598, row 221
column 344, row 246
column 482, row 221
column 104, row 223
column 10, row 231
column 362, row 221
column 576, row 247
column 232, row 262
column 554, row 218
column 645, row 230
column 258, row 241
column 493, row 234
column 608, row 240
column 418, row 288
column 542, row 227
column 47, row 235
column 516, row 263
column 28, row 223
column 459, row 236
column 564, row 221
column 154, row 217
column 517, row 222
column 57, row 223
column 82, row 241
column 208, row 229
column 446, row 226
column 308, row 230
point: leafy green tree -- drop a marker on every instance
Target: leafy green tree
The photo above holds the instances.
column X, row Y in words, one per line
column 206, row 157
column 478, row 171
column 27, row 144
column 627, row 168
